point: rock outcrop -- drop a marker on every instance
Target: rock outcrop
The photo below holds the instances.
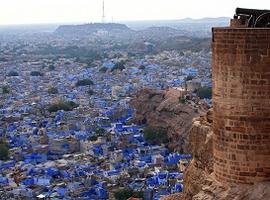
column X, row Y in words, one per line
column 162, row 110
column 201, row 165
column 199, row 182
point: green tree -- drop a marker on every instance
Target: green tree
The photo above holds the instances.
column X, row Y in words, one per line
column 103, row 69
column 93, row 138
column 119, row 66
column 13, row 73
column 36, row 73
column 4, row 151
column 142, row 67
column 155, row 136
column 53, row 90
column 124, row 194
column 181, row 53
column 182, row 100
column 5, row 89
column 100, row 131
column 51, row 67
column 91, row 92
column 84, row 82
column 204, row 92
column 189, row 78
column 62, row 105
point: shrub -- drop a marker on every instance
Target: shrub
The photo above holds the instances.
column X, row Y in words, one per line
column 36, row 73
column 204, row 92
column 119, row 66
column 181, row 53
column 182, row 100
column 5, row 89
column 13, row 73
column 103, row 69
column 62, row 105
column 155, row 136
column 189, row 78
column 93, row 138
column 124, row 194
column 51, row 67
column 53, row 90
column 100, row 131
column 142, row 67
column 4, row 151
column 84, row 82
column 91, row 92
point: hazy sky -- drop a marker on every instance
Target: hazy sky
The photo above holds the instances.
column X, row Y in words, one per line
column 54, row 11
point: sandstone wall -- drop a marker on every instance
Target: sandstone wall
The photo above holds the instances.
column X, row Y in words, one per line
column 241, row 102
column 199, row 179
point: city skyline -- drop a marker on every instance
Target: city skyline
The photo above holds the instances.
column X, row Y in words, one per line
column 70, row 11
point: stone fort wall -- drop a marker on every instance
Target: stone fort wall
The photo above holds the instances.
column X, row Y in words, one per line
column 241, row 104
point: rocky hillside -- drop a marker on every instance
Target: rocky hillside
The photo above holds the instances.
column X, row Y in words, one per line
column 199, row 182
column 162, row 110
column 88, row 29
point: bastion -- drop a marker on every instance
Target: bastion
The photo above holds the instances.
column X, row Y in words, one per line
column 241, row 103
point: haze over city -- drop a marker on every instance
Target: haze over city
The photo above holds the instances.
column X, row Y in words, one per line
column 71, row 11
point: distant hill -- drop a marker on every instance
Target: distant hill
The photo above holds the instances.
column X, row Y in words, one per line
column 95, row 28
column 139, row 25
column 206, row 20
column 155, row 30
column 160, row 29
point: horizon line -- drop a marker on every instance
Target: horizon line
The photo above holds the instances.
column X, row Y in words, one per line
column 108, row 22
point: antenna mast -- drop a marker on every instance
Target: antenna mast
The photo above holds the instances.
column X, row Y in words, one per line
column 103, row 12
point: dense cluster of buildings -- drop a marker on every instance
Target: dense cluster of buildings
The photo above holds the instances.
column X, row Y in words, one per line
column 89, row 151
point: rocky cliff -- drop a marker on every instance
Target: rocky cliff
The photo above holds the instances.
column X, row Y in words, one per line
column 191, row 131
column 162, row 110
column 199, row 182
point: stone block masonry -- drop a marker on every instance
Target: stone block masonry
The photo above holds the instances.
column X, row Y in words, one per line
column 241, row 104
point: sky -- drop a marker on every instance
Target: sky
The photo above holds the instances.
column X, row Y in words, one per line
column 72, row 11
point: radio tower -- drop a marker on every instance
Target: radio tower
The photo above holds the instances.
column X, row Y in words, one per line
column 103, row 12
